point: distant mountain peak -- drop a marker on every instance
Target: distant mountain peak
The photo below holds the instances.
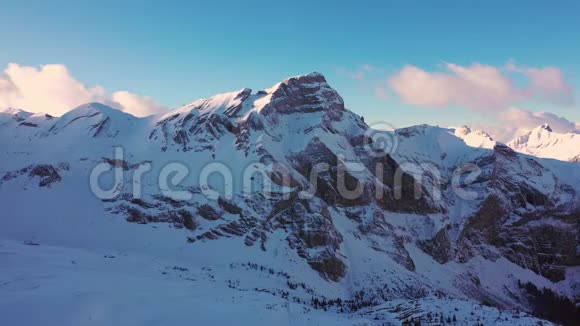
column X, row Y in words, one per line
column 544, row 142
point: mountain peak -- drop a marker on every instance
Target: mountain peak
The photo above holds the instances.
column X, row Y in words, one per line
column 307, row 78
column 14, row 114
column 546, row 127
column 93, row 106
column 312, row 79
column 95, row 119
column 303, row 93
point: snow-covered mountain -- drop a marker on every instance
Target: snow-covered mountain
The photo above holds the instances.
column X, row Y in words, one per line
column 544, row 142
column 283, row 198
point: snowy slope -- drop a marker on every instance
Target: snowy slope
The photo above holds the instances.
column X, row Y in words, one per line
column 66, row 286
column 278, row 243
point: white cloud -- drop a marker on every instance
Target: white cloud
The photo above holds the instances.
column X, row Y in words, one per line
column 547, row 82
column 52, row 89
column 478, row 87
column 137, row 105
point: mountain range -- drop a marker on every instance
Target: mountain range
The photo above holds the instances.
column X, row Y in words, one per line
column 280, row 205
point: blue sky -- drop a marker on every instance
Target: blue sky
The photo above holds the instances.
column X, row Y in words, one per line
column 176, row 52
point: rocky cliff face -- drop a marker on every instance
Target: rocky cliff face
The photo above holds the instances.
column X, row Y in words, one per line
column 530, row 223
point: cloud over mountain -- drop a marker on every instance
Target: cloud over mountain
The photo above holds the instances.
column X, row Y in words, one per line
column 52, row 89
